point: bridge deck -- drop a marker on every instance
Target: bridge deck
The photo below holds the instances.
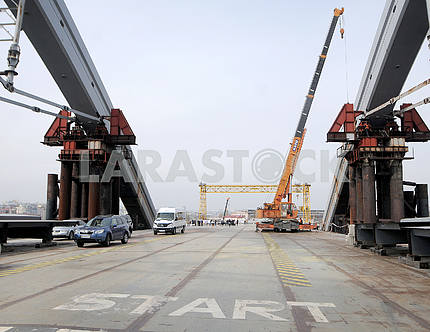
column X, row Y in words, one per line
column 213, row 279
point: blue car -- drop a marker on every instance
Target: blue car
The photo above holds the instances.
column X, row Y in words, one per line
column 103, row 230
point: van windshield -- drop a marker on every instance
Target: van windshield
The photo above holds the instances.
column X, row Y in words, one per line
column 165, row 215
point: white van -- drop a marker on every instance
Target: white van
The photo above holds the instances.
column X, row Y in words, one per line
column 169, row 220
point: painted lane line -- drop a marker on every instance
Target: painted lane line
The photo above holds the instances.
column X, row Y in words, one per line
column 93, row 274
column 293, row 273
column 288, row 272
column 297, row 271
column 294, row 278
column 5, row 328
column 72, row 258
column 295, row 282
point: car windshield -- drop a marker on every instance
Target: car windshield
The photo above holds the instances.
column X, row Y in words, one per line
column 165, row 215
column 99, row 222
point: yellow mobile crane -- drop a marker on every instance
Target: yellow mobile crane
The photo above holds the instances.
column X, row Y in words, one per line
column 286, row 212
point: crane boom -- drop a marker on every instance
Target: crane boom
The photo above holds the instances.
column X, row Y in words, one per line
column 273, row 210
column 296, row 144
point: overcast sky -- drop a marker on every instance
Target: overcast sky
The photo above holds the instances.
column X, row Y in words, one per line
column 193, row 75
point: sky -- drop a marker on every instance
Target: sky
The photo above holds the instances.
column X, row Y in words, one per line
column 207, row 78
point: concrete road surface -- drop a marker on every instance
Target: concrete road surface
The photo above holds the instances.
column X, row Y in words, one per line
column 212, row 279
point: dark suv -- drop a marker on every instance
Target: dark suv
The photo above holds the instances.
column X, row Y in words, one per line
column 103, row 230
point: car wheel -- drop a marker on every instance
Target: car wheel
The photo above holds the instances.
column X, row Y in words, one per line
column 71, row 235
column 106, row 243
column 183, row 230
column 131, row 231
column 155, row 232
column 80, row 244
column 124, row 239
column 174, row 231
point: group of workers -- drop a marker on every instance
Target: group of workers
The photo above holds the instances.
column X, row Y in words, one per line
column 214, row 222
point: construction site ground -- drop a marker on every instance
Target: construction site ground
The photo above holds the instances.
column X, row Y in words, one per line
column 211, row 279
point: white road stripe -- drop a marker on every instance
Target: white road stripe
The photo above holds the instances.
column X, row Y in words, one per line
column 314, row 309
column 151, row 304
column 261, row 308
column 212, row 308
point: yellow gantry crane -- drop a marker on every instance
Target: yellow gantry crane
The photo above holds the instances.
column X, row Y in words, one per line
column 251, row 189
column 304, row 190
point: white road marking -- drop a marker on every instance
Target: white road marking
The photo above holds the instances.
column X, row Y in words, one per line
column 314, row 309
column 91, row 302
column 212, row 308
column 261, row 308
column 5, row 328
column 99, row 301
column 151, row 303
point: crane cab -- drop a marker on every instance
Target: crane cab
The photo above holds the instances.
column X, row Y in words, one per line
column 288, row 210
column 285, row 210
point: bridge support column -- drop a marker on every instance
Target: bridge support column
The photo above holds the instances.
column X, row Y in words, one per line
column 383, row 190
column 52, row 195
column 359, row 195
column 352, row 195
column 369, row 195
column 65, row 190
column 84, row 200
column 105, row 198
column 115, row 195
column 94, row 194
column 75, row 206
column 421, row 194
column 396, row 191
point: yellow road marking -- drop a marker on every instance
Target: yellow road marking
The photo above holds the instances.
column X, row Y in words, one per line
column 289, row 273
column 283, row 266
column 291, row 283
column 302, row 280
column 299, row 274
column 72, row 258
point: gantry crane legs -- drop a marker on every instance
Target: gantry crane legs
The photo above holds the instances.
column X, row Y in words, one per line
column 246, row 189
